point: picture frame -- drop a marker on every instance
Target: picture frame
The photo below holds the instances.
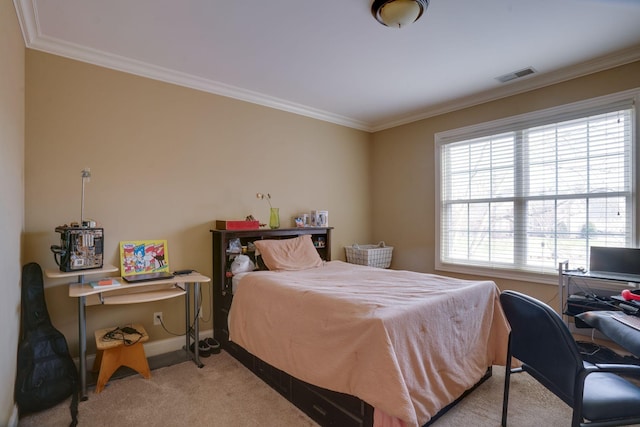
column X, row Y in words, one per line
column 320, row 218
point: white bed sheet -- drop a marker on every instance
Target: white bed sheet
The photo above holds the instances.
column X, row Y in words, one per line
column 236, row 279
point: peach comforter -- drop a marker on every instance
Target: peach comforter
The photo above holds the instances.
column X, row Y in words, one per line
column 406, row 343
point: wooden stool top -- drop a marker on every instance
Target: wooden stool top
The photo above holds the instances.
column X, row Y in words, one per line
column 119, row 338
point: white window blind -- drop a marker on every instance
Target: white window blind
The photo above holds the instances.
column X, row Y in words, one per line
column 524, row 196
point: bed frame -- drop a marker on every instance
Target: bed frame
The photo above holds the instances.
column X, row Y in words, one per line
column 326, row 407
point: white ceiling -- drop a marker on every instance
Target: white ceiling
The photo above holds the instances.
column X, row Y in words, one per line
column 331, row 60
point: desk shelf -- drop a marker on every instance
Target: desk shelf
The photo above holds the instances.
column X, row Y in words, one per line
column 140, row 297
column 57, row 274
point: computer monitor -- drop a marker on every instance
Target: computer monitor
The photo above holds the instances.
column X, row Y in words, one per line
column 617, row 260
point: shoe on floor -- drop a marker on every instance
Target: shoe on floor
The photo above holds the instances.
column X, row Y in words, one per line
column 204, row 350
column 214, row 345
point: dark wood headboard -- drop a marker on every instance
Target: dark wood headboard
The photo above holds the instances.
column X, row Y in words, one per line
column 222, row 297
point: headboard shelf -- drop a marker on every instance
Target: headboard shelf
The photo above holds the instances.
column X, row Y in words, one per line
column 222, row 297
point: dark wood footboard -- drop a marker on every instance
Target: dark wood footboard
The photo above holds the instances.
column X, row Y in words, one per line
column 326, row 407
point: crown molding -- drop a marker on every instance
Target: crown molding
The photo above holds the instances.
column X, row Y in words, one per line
column 25, row 9
column 139, row 68
column 27, row 16
column 527, row 84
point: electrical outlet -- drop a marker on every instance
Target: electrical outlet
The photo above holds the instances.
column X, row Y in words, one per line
column 157, row 318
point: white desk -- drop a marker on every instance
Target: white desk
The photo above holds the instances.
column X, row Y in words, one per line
column 131, row 293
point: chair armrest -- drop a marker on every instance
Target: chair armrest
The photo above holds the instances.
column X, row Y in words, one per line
column 616, row 368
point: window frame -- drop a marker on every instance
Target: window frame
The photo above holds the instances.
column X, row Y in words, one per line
column 625, row 99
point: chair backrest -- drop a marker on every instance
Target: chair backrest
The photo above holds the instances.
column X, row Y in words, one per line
column 543, row 343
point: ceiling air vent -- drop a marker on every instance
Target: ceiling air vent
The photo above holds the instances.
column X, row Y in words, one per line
column 516, row 75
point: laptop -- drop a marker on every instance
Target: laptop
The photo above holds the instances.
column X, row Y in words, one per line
column 144, row 260
column 147, row 277
column 614, row 264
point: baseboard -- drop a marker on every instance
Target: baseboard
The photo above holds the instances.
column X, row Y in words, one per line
column 13, row 421
column 157, row 347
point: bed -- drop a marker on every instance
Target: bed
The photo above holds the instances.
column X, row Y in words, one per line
column 408, row 344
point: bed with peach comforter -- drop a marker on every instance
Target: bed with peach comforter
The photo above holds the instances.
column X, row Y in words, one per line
column 407, row 343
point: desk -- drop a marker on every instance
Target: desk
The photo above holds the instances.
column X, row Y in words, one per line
column 623, row 335
column 131, row 293
column 603, row 284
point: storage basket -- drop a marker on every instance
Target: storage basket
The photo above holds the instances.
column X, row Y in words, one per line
column 372, row 255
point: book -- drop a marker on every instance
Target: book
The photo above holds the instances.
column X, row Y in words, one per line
column 237, row 225
column 107, row 282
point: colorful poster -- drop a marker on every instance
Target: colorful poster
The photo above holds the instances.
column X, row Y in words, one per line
column 143, row 256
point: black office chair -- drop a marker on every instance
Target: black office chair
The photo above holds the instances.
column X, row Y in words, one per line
column 542, row 342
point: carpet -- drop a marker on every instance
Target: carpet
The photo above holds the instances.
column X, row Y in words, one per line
column 222, row 393
column 225, row 393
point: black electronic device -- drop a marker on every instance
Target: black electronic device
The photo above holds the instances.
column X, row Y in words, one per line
column 615, row 260
column 81, row 248
column 578, row 303
column 182, row 272
column 147, row 277
column 81, row 244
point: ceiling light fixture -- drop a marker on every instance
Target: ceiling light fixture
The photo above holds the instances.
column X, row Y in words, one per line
column 398, row 13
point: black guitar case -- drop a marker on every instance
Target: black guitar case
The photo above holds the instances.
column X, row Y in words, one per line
column 46, row 374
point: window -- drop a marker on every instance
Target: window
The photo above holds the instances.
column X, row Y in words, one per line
column 525, row 193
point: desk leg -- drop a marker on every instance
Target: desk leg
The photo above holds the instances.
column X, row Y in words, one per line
column 196, row 323
column 195, row 354
column 82, row 343
column 187, row 320
column 563, row 289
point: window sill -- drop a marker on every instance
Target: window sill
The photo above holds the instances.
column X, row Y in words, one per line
column 491, row 273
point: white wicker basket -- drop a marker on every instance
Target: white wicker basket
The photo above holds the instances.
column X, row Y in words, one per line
column 372, row 255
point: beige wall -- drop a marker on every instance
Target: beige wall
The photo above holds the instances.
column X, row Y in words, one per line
column 402, row 167
column 166, row 162
column 11, row 199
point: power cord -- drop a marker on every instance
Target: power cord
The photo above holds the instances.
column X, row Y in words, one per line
column 210, row 307
column 122, row 334
column 191, row 325
column 167, row 330
column 195, row 319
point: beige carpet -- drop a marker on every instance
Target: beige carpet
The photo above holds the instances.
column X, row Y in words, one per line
column 224, row 393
